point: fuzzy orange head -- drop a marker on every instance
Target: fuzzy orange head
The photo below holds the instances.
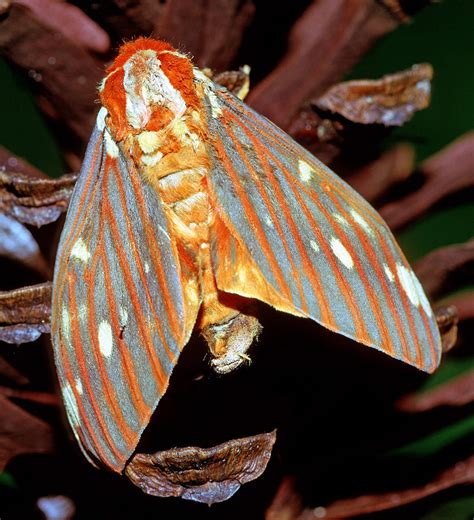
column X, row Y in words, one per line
column 147, row 86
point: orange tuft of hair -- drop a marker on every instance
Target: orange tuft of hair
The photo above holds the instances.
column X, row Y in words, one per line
column 178, row 69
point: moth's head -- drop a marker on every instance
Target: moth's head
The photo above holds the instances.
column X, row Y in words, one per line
column 147, row 86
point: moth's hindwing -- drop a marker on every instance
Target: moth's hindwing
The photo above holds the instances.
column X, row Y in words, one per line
column 118, row 308
column 292, row 234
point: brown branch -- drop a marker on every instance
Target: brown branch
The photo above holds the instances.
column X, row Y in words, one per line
column 446, row 173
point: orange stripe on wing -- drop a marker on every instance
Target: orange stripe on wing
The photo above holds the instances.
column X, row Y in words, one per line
column 174, row 320
column 131, row 376
column 110, row 394
column 84, row 374
column 275, row 218
column 326, row 313
column 359, row 323
column 253, row 220
column 368, row 250
column 139, row 266
column 144, row 332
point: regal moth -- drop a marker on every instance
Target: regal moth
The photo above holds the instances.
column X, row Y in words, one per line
column 189, row 205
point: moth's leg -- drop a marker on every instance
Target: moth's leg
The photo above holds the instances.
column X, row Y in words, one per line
column 230, row 339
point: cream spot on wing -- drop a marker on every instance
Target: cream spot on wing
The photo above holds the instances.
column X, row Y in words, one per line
column 305, row 170
column 341, row 253
column 66, row 321
column 79, row 250
column 339, row 218
column 388, row 273
column 204, row 245
column 106, row 342
column 148, row 141
column 79, row 388
column 421, row 295
column 314, row 246
column 361, row 221
column 269, row 221
column 101, row 119
column 406, row 281
column 146, row 267
column 124, row 314
column 71, row 404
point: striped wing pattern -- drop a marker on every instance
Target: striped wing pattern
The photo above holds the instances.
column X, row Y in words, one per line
column 118, row 308
column 292, row 234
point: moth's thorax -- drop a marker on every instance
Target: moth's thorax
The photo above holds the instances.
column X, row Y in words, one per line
column 148, row 86
column 155, row 113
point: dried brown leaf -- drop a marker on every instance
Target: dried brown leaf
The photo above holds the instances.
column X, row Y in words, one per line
column 21, row 433
column 35, row 201
column 390, row 101
column 446, row 173
column 25, row 313
column 236, row 81
column 207, row 475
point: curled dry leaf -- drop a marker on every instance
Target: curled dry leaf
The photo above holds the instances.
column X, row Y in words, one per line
column 445, row 173
column 390, row 101
column 25, row 313
column 207, row 475
column 35, row 201
column 287, row 504
column 375, row 179
column 236, row 81
column 446, row 269
column 21, row 432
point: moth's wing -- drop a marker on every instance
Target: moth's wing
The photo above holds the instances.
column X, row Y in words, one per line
column 119, row 317
column 290, row 233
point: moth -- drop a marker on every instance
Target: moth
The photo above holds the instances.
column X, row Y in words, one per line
column 189, row 206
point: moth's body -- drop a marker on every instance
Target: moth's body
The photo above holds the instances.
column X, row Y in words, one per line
column 168, row 147
column 189, row 207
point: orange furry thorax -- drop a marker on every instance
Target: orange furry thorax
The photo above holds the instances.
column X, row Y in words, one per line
column 177, row 68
